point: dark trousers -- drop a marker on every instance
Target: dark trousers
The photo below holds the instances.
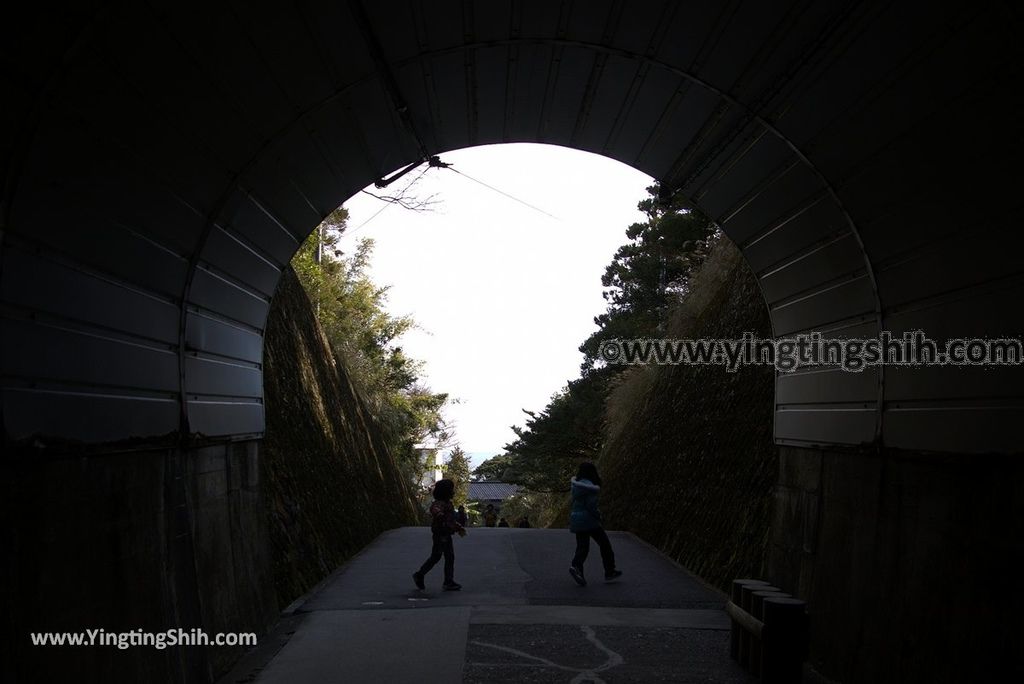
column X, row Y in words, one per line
column 583, row 548
column 442, row 547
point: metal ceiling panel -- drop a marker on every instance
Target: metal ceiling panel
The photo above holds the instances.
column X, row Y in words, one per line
column 38, row 286
column 858, row 327
column 603, row 99
column 805, row 270
column 230, row 61
column 642, row 105
column 222, row 378
column 797, row 40
column 567, row 82
column 119, row 250
column 909, row 384
column 280, row 36
column 312, row 173
column 412, row 27
column 215, row 417
column 526, row 90
column 337, row 40
column 685, row 114
column 886, row 239
column 277, row 190
column 954, row 428
column 232, row 256
column 538, row 19
column 817, row 221
column 453, row 102
column 825, row 304
column 90, row 417
column 749, row 32
column 874, row 43
column 941, row 267
column 382, row 140
column 790, row 186
column 690, row 33
column 263, row 229
column 229, row 299
column 489, row 74
column 223, row 338
column 339, row 137
column 110, row 111
column 827, row 386
column 728, row 135
column 811, row 426
column 46, row 353
column 176, row 87
column 989, row 310
column 603, row 19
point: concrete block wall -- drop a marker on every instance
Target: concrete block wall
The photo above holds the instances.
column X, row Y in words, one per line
column 119, row 542
column 232, row 553
column 906, row 560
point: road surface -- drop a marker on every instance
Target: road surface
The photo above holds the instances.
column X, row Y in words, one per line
column 519, row 618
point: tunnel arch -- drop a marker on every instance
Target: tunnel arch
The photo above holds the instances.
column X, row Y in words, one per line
column 164, row 170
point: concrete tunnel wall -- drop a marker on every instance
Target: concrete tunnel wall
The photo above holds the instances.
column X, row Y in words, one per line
column 161, row 164
column 161, row 170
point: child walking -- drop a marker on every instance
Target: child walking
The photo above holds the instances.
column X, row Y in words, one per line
column 442, row 526
column 585, row 523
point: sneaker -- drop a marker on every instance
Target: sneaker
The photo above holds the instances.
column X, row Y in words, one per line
column 452, row 586
column 418, row 579
column 613, row 575
column 577, row 574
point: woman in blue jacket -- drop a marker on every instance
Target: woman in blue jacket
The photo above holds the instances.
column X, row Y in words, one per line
column 585, row 523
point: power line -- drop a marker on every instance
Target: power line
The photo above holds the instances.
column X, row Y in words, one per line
column 441, row 165
column 501, row 192
column 378, row 213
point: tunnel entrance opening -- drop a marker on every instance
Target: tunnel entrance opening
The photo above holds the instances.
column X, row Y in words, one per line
column 470, row 307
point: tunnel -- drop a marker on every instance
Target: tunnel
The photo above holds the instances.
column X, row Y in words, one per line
column 163, row 162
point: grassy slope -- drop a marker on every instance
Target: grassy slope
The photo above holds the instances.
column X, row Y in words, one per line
column 690, row 464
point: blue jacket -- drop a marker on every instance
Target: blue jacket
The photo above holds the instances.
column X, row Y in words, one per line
column 584, row 516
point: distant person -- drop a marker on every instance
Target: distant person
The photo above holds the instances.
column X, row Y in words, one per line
column 461, row 517
column 442, row 526
column 585, row 523
column 524, row 521
column 490, row 515
column 503, row 523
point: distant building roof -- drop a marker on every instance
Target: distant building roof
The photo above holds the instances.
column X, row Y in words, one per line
column 491, row 491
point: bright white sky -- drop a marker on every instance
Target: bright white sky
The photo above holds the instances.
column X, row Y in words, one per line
column 502, row 294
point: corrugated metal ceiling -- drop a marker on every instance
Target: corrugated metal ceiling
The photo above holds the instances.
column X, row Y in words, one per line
column 165, row 160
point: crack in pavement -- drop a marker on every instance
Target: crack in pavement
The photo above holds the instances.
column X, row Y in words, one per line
column 582, row 674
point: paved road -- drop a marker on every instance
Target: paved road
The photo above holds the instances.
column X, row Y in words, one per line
column 519, row 618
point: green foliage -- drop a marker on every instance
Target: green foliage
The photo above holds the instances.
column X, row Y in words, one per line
column 648, row 273
column 493, row 468
column 548, row 448
column 456, row 468
column 351, row 310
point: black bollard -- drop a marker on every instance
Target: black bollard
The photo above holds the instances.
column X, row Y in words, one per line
column 737, row 632
column 784, row 640
column 757, row 612
column 747, row 638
